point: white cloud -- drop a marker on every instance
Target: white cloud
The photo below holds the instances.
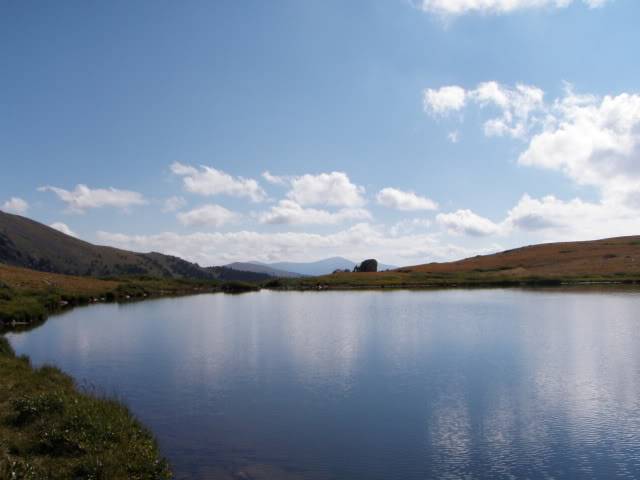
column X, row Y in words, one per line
column 549, row 219
column 404, row 200
column 460, row 7
column 554, row 219
column 64, row 228
column 411, row 225
column 468, row 223
column 274, row 179
column 290, row 212
column 83, row 197
column 15, row 205
column 209, row 181
column 521, row 107
column 173, row 204
column 454, row 137
column 210, row 215
column 357, row 242
column 517, row 104
column 333, row 189
column 595, row 142
column 444, row 100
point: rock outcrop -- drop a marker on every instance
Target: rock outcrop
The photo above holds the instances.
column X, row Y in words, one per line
column 370, row 265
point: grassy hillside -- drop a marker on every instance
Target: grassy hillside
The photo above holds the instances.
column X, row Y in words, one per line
column 608, row 257
column 29, row 244
column 609, row 260
column 48, row 429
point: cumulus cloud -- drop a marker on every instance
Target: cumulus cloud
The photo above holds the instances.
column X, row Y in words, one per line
column 593, row 141
column 468, row 223
column 331, row 189
column 359, row 241
column 404, row 200
column 549, row 219
column 274, row 179
column 409, row 226
column 64, row 228
column 460, row 7
column 15, row 205
column 210, row 215
column 291, row 213
column 173, row 204
column 209, row 181
column 520, row 107
column 554, row 219
column 83, row 197
column 443, row 100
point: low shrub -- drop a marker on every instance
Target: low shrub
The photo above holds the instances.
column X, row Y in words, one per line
column 22, row 309
column 5, row 348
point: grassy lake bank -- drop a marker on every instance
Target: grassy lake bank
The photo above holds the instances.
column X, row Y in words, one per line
column 27, row 297
column 50, row 429
column 399, row 279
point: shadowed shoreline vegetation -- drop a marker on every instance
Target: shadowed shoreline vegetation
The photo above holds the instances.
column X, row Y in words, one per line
column 50, row 429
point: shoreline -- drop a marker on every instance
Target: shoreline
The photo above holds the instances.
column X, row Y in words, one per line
column 51, row 428
column 328, row 283
column 33, row 308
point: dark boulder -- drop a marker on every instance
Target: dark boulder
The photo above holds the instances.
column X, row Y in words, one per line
column 370, row 265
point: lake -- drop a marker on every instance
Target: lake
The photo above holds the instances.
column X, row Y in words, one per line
column 451, row 384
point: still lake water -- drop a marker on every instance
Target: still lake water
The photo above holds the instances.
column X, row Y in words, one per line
column 473, row 384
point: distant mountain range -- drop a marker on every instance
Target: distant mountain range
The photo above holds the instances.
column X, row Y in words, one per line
column 27, row 243
column 299, row 269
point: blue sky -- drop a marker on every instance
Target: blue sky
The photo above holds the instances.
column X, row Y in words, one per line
column 410, row 131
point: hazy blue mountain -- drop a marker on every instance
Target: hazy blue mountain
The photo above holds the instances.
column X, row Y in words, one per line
column 321, row 267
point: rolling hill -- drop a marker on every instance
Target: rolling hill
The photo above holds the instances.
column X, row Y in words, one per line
column 611, row 256
column 29, row 244
column 611, row 260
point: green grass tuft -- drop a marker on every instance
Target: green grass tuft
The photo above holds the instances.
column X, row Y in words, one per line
column 48, row 429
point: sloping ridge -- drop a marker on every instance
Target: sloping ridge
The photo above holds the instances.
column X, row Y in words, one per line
column 262, row 268
column 610, row 256
column 29, row 244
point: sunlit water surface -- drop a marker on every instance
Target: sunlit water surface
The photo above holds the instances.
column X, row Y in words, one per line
column 481, row 384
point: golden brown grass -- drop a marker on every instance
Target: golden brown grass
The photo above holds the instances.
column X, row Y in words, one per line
column 23, row 280
column 610, row 256
column 615, row 260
